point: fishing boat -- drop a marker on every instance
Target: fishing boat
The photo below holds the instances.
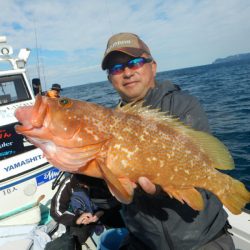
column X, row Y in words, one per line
column 25, row 175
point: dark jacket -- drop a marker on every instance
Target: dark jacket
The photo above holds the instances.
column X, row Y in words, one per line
column 98, row 194
column 158, row 222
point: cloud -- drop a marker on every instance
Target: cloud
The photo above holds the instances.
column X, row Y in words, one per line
column 70, row 36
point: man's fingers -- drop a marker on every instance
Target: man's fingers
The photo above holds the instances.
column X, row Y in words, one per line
column 79, row 220
column 147, row 185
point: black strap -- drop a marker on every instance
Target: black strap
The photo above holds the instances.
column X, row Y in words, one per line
column 57, row 180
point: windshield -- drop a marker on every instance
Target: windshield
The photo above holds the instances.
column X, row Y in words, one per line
column 13, row 89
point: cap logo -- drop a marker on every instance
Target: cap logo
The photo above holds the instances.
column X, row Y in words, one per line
column 118, row 44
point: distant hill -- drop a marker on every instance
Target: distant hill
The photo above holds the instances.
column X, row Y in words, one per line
column 233, row 58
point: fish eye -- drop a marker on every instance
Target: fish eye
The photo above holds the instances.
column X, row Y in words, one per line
column 65, row 102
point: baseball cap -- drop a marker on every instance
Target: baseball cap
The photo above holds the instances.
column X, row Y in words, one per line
column 127, row 43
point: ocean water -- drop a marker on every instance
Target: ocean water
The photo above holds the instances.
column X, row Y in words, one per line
column 223, row 90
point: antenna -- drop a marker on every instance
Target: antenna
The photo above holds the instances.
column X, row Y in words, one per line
column 37, row 53
column 38, row 58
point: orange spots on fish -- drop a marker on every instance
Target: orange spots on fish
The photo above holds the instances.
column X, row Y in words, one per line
column 117, row 146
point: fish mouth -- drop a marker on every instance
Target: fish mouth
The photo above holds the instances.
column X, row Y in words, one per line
column 31, row 117
column 41, row 121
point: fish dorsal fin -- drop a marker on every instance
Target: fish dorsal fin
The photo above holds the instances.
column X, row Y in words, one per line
column 137, row 108
column 216, row 150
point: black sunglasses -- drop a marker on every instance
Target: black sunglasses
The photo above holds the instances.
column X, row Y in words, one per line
column 134, row 64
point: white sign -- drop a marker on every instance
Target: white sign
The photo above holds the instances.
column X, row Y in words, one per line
column 20, row 163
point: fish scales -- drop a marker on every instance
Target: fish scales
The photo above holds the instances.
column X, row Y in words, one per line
column 123, row 144
column 147, row 159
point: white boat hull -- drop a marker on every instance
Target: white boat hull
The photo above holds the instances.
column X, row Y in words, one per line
column 240, row 229
column 21, row 193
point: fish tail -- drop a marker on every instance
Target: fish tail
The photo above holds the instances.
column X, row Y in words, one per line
column 236, row 197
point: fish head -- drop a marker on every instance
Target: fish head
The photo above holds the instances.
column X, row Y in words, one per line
column 58, row 126
column 49, row 117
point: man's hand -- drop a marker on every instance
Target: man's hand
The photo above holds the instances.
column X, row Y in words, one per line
column 87, row 218
column 147, row 185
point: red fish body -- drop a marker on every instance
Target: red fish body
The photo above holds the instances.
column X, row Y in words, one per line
column 123, row 144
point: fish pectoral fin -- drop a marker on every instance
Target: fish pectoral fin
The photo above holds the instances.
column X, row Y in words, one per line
column 91, row 169
column 190, row 196
column 120, row 188
column 127, row 185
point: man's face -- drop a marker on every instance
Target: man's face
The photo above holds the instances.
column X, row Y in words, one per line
column 132, row 84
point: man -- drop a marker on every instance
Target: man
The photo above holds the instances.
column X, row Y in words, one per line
column 55, row 90
column 84, row 204
column 154, row 220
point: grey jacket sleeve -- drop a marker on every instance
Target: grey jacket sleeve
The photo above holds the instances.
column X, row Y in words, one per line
column 187, row 108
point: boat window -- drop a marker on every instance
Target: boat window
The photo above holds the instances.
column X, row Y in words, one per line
column 13, row 89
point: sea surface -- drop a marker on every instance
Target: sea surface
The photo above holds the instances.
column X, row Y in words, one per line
column 223, row 90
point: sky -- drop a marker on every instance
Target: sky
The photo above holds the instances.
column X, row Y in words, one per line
column 68, row 38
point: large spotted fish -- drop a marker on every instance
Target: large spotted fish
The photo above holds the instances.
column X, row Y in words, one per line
column 132, row 141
